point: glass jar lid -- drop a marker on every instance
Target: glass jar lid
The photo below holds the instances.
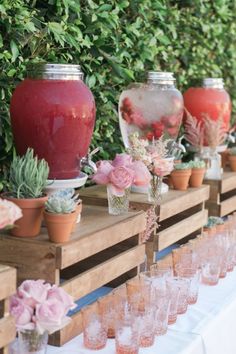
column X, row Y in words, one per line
column 54, row 71
column 160, row 77
column 213, row 83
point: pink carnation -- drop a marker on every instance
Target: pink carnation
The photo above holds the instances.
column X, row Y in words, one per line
column 122, row 160
column 142, row 175
column 60, row 295
column 121, row 178
column 9, row 213
column 33, row 291
column 22, row 313
column 49, row 315
column 103, row 170
column 162, row 167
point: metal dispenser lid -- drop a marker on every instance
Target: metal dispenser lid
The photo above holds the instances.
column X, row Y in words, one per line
column 213, row 83
column 160, row 77
column 54, row 71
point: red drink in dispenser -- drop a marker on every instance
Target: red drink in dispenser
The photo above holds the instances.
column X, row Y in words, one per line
column 211, row 100
column 53, row 112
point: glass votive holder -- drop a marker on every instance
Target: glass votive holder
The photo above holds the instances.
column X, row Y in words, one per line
column 183, row 285
column 109, row 309
column 162, row 314
column 194, row 277
column 173, row 294
column 139, row 286
column 94, row 328
column 127, row 335
column 146, row 326
column 211, row 273
column 161, row 269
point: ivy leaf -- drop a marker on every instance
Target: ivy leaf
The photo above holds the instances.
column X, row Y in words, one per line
column 14, row 51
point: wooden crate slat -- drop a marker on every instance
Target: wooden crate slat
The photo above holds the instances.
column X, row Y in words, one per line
column 7, row 330
column 183, row 200
column 105, row 272
column 33, row 260
column 181, row 229
column 101, row 239
column 7, row 281
column 228, row 206
column 228, row 182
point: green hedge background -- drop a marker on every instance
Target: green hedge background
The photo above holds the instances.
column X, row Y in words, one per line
column 115, row 42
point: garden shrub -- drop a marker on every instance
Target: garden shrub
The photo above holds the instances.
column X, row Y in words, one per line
column 115, row 42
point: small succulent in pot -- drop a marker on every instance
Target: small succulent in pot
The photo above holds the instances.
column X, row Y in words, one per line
column 198, row 172
column 180, row 175
column 27, row 179
column 232, row 158
column 60, row 216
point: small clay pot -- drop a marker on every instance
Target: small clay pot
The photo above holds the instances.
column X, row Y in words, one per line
column 196, row 177
column 210, row 230
column 224, row 158
column 180, row 179
column 29, row 224
column 59, row 226
column 220, row 227
column 232, row 162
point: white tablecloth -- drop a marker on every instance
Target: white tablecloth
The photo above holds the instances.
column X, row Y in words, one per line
column 208, row 327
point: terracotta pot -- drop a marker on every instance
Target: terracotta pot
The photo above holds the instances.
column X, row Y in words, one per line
column 59, row 226
column 32, row 209
column 232, row 162
column 196, row 177
column 224, row 158
column 180, row 179
column 78, row 212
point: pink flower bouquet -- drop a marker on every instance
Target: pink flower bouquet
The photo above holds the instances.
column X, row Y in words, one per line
column 9, row 213
column 121, row 173
column 40, row 306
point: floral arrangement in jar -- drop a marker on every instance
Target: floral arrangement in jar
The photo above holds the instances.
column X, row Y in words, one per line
column 9, row 213
column 39, row 309
column 118, row 175
column 156, row 157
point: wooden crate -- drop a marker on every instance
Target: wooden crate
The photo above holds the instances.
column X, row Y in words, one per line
column 181, row 214
column 103, row 248
column 7, row 323
column 222, row 199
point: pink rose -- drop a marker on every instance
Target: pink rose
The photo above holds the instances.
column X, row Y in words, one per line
column 22, row 313
column 50, row 315
column 9, row 213
column 142, row 175
column 122, row 160
column 121, row 178
column 60, row 295
column 162, row 167
column 33, row 291
column 103, row 170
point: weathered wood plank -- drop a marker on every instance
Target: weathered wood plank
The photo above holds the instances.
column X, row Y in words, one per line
column 178, row 231
column 7, row 281
column 228, row 206
column 228, row 181
column 100, row 236
column 105, row 272
column 7, row 330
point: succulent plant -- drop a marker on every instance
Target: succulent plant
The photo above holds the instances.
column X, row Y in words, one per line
column 28, row 176
column 57, row 204
column 182, row 166
column 213, row 220
column 232, row 151
column 197, row 164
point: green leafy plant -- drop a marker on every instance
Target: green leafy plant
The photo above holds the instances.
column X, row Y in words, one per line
column 61, row 205
column 28, row 176
column 232, row 151
column 182, row 166
column 213, row 220
column 197, row 164
column 116, row 42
